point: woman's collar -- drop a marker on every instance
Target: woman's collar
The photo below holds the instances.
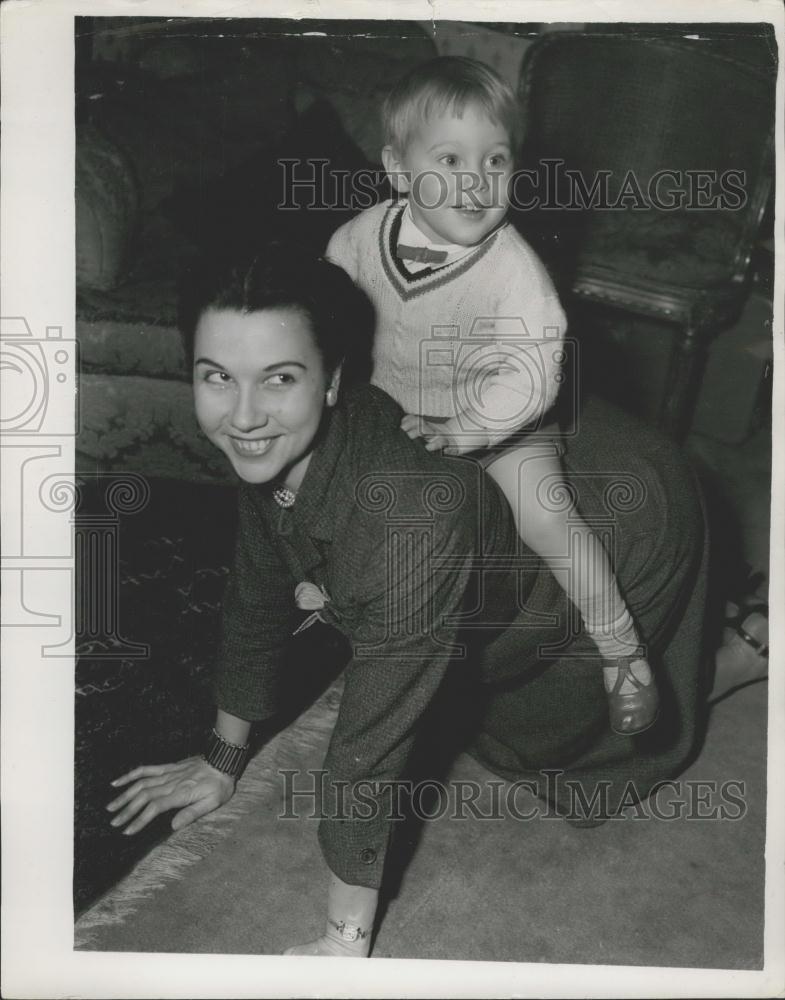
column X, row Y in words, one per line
column 318, row 489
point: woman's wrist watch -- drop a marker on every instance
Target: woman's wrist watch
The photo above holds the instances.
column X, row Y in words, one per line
column 349, row 932
column 229, row 758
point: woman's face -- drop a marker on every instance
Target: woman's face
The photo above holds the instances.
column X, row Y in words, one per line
column 259, row 390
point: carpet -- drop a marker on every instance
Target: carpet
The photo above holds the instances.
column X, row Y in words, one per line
column 682, row 886
column 301, row 743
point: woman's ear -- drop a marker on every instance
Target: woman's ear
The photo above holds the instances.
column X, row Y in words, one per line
column 335, row 383
column 399, row 178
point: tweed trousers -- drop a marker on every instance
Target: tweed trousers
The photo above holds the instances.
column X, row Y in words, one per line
column 544, row 707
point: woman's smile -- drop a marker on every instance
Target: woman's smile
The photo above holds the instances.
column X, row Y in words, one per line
column 253, row 448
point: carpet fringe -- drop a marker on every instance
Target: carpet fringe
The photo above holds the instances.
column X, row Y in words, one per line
column 172, row 859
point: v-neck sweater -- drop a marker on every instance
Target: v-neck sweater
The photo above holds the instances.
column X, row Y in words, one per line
column 481, row 336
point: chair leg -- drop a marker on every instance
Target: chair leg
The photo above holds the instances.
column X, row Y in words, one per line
column 684, row 370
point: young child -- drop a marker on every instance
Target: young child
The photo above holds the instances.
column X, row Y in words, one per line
column 469, row 333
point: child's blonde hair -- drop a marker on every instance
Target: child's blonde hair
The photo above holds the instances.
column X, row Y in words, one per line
column 447, row 83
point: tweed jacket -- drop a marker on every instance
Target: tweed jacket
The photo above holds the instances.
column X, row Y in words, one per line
column 425, row 575
column 391, row 532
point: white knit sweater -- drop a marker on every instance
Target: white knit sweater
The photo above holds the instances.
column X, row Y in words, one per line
column 481, row 336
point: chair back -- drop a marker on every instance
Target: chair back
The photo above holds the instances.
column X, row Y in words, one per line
column 680, row 135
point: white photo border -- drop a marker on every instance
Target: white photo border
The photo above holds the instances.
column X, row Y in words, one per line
column 37, row 249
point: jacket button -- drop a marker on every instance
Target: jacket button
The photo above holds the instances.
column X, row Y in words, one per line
column 367, row 856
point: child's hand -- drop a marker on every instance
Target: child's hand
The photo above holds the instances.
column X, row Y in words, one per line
column 437, row 435
column 432, row 433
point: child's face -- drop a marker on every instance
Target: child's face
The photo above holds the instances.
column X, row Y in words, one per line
column 459, row 174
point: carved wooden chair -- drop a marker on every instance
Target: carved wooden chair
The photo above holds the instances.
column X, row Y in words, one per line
column 678, row 135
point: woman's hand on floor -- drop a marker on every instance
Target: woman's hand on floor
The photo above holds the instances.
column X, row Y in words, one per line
column 192, row 786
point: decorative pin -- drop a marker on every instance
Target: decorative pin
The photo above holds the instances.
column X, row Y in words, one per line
column 284, row 497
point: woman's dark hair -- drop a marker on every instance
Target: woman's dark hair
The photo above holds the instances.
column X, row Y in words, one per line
column 285, row 276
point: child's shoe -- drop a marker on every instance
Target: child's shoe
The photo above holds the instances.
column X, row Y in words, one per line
column 635, row 709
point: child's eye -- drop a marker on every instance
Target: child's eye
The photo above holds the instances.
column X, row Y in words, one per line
column 450, row 160
column 497, row 160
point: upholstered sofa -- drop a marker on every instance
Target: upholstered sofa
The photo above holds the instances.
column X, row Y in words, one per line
column 181, row 141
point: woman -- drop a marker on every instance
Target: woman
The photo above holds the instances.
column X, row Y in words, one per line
column 414, row 558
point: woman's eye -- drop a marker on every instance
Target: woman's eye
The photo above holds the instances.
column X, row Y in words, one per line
column 281, row 378
column 217, row 378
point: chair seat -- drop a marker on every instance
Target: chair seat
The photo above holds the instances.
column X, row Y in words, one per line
column 677, row 267
column 691, row 308
column 680, row 250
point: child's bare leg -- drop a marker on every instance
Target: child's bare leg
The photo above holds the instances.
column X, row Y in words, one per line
column 525, row 475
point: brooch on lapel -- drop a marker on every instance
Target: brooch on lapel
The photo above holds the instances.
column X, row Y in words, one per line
column 309, row 597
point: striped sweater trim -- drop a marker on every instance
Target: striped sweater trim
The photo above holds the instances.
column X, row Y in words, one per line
column 409, row 286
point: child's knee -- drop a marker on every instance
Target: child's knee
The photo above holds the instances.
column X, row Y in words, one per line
column 543, row 527
column 526, row 471
column 534, row 484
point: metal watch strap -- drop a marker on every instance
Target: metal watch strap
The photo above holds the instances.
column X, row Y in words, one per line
column 349, row 932
column 225, row 756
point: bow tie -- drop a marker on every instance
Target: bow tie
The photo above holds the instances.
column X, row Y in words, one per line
column 422, row 255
